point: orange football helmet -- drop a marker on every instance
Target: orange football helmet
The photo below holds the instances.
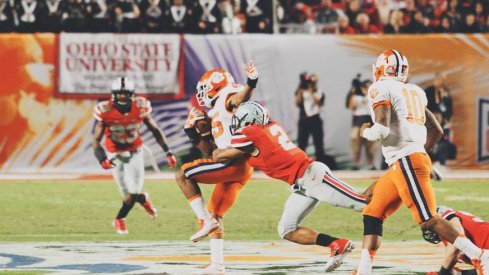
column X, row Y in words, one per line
column 210, row 85
column 391, row 64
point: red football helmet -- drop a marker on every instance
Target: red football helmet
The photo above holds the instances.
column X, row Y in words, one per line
column 210, row 85
column 391, row 64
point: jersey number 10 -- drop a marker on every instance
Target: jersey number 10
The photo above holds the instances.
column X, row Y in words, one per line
column 416, row 112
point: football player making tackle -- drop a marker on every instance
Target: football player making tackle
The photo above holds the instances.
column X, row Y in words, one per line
column 119, row 120
column 473, row 227
column 406, row 131
column 218, row 91
column 270, row 150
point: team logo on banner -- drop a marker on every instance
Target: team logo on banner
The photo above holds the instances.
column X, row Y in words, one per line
column 88, row 63
column 483, row 131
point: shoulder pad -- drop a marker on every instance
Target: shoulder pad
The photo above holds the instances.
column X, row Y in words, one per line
column 103, row 106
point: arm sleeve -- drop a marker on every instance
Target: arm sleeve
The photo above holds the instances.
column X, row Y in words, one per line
column 378, row 96
column 145, row 106
column 97, row 113
column 242, row 142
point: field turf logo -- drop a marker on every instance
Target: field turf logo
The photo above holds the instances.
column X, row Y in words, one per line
column 483, row 130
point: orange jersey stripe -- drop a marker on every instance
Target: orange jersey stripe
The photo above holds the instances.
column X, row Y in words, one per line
column 383, row 102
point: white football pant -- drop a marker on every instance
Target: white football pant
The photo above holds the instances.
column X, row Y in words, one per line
column 317, row 184
column 129, row 171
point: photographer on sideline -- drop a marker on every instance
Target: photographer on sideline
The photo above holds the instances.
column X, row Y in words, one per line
column 309, row 99
column 357, row 102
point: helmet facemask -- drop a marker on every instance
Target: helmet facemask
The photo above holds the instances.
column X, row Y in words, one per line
column 211, row 84
column 122, row 91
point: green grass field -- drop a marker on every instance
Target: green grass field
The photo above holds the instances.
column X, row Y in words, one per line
column 83, row 211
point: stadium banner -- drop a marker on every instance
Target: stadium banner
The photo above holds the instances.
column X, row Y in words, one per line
column 40, row 132
column 483, row 130
column 88, row 62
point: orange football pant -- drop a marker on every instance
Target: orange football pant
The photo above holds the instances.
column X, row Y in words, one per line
column 229, row 179
column 407, row 181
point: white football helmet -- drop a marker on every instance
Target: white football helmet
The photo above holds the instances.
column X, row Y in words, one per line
column 122, row 85
column 248, row 113
column 210, row 85
column 391, row 64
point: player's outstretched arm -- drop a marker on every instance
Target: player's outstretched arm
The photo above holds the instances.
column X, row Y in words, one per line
column 99, row 152
column 226, row 154
column 160, row 139
column 381, row 128
column 236, row 99
column 434, row 130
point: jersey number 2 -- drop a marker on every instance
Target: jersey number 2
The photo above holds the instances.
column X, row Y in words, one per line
column 415, row 107
column 282, row 138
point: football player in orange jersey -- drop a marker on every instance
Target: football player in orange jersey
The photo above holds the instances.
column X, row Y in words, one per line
column 119, row 120
column 473, row 227
column 218, row 91
column 271, row 151
column 406, row 131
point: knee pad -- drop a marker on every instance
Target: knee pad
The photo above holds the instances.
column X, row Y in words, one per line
column 285, row 228
column 372, row 226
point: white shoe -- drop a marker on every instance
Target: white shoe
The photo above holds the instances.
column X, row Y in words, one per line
column 339, row 249
column 212, row 269
column 207, row 227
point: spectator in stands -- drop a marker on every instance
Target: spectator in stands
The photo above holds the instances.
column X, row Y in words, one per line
column 480, row 14
column 309, row 99
column 259, row 15
column 98, row 16
column 344, row 25
column 426, row 8
column 180, row 17
column 358, row 104
column 409, row 11
column 445, row 26
column 396, row 23
column 363, row 25
column 326, row 17
column 30, row 13
column 127, row 16
column 208, row 16
column 153, row 14
column 6, row 17
column 75, row 17
column 453, row 15
column 384, row 7
column 232, row 19
column 419, row 24
column 370, row 8
column 485, row 27
column 51, row 21
column 470, row 25
column 352, row 10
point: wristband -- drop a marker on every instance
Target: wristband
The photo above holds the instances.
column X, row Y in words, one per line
column 376, row 133
column 169, row 153
column 100, row 154
column 252, row 82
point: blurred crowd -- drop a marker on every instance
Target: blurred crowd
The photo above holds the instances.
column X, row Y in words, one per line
column 251, row 16
column 390, row 16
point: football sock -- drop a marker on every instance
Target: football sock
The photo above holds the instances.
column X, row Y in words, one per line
column 198, row 206
column 217, row 251
column 126, row 207
column 467, row 247
column 366, row 259
column 141, row 198
column 324, row 239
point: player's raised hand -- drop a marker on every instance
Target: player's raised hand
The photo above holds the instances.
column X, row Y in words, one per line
column 107, row 164
column 194, row 115
column 172, row 161
column 250, row 70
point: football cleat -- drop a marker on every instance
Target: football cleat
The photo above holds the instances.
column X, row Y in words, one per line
column 212, row 269
column 208, row 227
column 120, row 226
column 481, row 265
column 339, row 249
column 149, row 207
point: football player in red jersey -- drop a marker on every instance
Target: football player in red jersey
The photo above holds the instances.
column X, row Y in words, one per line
column 471, row 226
column 271, row 151
column 119, row 119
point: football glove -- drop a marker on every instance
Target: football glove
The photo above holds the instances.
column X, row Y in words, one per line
column 194, row 115
column 250, row 70
column 107, row 164
column 172, row 161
